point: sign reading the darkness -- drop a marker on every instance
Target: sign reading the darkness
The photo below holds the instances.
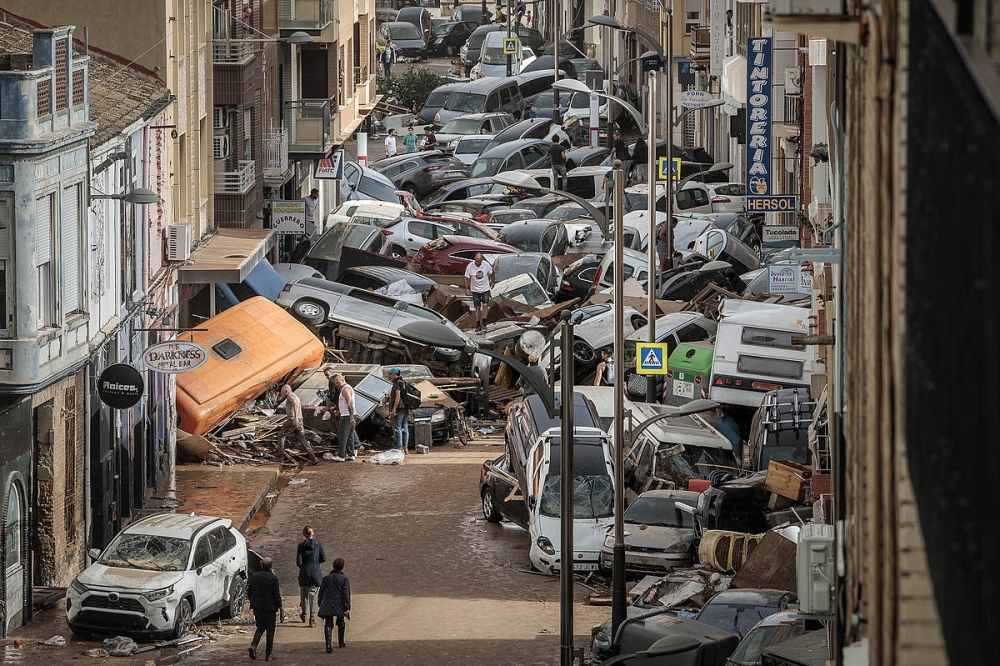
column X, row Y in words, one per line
column 120, row 386
column 758, row 116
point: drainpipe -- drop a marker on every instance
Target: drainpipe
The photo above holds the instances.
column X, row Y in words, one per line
column 87, row 443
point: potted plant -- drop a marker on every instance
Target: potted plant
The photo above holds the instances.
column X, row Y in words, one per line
column 820, row 152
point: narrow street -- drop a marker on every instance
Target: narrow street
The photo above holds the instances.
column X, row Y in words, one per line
column 432, row 582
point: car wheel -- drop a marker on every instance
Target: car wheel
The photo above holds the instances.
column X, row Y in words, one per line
column 490, row 512
column 237, row 599
column 398, row 252
column 412, row 189
column 583, row 351
column 310, row 312
column 450, row 51
column 183, row 622
column 638, row 321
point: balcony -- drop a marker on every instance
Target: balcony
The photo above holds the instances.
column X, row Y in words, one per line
column 236, row 182
column 793, row 110
column 235, row 52
column 308, row 123
column 310, row 16
column 701, row 43
column 276, row 164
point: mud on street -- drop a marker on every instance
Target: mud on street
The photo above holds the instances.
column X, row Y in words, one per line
column 432, row 582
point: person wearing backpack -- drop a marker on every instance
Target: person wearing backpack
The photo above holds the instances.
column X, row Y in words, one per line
column 398, row 410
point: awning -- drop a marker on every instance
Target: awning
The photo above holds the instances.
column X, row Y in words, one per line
column 228, row 257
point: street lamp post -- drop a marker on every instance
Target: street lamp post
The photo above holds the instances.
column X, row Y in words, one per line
column 577, row 86
column 618, row 565
column 651, row 243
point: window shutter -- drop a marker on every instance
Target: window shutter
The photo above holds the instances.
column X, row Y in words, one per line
column 71, row 248
column 4, row 230
column 43, row 230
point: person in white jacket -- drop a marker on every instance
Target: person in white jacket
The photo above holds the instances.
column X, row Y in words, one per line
column 390, row 144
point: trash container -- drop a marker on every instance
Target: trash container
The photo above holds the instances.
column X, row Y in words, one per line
column 689, row 370
column 423, row 435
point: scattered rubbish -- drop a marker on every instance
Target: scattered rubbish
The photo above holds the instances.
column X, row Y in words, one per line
column 100, row 653
column 120, row 646
column 545, row 631
column 318, row 505
column 57, row 641
column 13, row 653
column 329, row 456
column 296, row 482
column 484, row 431
column 390, row 457
column 422, row 448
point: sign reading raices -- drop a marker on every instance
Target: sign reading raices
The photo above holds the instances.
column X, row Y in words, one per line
column 758, row 116
column 175, row 356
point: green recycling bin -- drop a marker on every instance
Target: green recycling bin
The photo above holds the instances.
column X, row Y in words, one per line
column 689, row 369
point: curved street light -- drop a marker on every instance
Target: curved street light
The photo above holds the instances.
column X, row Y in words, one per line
column 522, row 181
column 139, row 196
column 577, row 86
column 614, row 24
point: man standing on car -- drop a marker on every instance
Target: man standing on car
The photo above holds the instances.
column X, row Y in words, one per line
column 293, row 424
column 346, row 432
column 264, row 594
column 398, row 410
column 308, row 556
column 557, row 155
column 478, row 282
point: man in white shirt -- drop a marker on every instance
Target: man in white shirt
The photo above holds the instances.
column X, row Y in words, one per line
column 312, row 203
column 348, row 420
column 390, row 144
column 478, row 282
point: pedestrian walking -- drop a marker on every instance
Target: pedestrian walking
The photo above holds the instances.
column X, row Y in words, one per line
column 398, row 410
column 308, row 557
column 527, row 17
column 430, row 141
column 264, row 594
column 390, row 144
column 332, row 400
column 335, row 603
column 388, row 58
column 478, row 282
column 557, row 155
column 639, row 156
column 312, row 203
column 410, row 141
column 519, row 12
column 346, row 432
column 605, row 370
column 619, row 151
column 293, row 427
column 662, row 248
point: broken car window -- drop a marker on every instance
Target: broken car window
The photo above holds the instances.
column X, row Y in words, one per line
column 147, row 551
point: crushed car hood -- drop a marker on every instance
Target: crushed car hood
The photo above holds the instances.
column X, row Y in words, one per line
column 656, row 537
column 98, row 576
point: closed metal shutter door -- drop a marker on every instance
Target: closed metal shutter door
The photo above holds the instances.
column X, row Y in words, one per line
column 71, row 248
column 43, row 230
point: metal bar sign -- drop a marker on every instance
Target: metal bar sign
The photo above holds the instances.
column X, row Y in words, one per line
column 717, row 36
column 758, row 116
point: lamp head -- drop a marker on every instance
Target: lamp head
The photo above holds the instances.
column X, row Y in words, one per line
column 571, row 85
column 606, row 22
column 518, row 180
column 141, row 196
column 299, row 37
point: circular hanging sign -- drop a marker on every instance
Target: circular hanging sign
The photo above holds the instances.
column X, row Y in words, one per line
column 120, row 386
column 175, row 357
column 695, row 99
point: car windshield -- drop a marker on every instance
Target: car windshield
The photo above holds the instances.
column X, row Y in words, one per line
column 150, row 552
column 567, row 213
column 471, row 146
column 461, row 126
column 544, row 100
column 476, row 41
column 466, row 102
column 749, row 651
column 579, row 101
column 444, row 28
column 485, row 167
column 494, row 55
column 523, row 244
column 437, row 99
column 529, row 294
column 734, row 616
column 377, row 190
column 658, row 511
column 407, row 31
column 592, row 489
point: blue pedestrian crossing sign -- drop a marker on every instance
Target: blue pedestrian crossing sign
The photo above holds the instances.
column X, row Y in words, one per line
column 651, row 358
column 663, row 164
column 510, row 46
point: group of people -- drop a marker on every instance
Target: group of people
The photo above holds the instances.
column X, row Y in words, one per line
column 328, row 597
column 409, row 141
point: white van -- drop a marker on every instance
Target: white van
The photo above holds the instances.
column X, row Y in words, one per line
column 754, row 352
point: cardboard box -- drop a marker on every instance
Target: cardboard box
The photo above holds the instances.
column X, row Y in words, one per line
column 788, row 479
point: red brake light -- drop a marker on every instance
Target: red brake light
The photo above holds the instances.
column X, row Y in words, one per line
column 387, row 232
column 720, row 199
column 481, row 217
column 436, row 167
column 566, row 286
column 287, row 287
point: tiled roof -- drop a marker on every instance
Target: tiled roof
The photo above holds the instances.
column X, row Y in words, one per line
column 119, row 95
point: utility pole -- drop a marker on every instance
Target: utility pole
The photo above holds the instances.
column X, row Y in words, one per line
column 566, row 496
column 508, row 37
column 618, row 566
column 652, row 263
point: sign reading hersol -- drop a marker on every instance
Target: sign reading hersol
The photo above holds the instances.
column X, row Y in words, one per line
column 175, row 357
column 781, row 203
column 120, row 386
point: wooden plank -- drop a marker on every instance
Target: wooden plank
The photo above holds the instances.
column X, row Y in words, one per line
column 788, row 479
column 770, row 565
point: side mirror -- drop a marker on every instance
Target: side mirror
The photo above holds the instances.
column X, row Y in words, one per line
column 94, row 553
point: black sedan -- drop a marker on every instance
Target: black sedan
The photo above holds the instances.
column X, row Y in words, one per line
column 543, row 236
column 447, row 38
column 423, row 172
column 578, row 277
column 405, row 37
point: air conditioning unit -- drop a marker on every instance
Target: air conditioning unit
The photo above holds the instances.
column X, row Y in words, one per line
column 793, row 80
column 220, row 146
column 178, row 242
column 220, row 119
column 814, row 569
column 811, row 8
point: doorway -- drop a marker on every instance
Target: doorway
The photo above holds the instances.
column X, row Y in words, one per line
column 13, row 540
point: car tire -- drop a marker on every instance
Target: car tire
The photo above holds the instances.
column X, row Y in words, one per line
column 412, row 189
column 310, row 312
column 583, row 351
column 183, row 619
column 237, row 599
column 638, row 321
column 490, row 512
column 450, row 51
column 398, row 252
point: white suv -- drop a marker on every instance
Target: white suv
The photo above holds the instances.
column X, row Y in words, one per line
column 159, row 576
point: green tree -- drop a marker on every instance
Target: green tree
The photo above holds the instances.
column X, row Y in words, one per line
column 410, row 88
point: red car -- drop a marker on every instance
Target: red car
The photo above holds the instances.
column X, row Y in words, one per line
column 449, row 255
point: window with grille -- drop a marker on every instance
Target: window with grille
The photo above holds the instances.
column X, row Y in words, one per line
column 43, row 261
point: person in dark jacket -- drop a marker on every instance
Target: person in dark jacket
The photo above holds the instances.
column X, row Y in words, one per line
column 264, row 593
column 308, row 557
column 335, row 602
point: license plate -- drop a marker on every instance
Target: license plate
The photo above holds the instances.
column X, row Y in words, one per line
column 684, row 389
column 454, row 174
column 764, row 386
column 584, row 566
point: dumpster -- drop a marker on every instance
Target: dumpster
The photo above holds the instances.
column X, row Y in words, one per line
column 689, row 369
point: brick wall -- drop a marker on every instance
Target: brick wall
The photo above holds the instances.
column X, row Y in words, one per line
column 58, row 532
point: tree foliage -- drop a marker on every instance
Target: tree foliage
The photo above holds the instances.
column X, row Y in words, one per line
column 409, row 88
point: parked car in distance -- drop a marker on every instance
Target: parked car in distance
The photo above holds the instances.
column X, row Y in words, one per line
column 685, row 286
column 578, row 277
column 499, row 218
column 462, row 189
column 576, row 157
column 447, row 37
column 477, row 209
column 540, row 206
column 449, row 255
column 347, row 245
column 423, row 172
column 738, row 610
column 472, row 49
column 470, row 14
column 406, row 38
column 509, row 157
column 540, row 235
column 538, row 264
column 410, row 234
column 387, row 10
column 421, row 19
column 658, row 535
column 467, row 148
column 384, row 210
column 493, row 60
column 728, row 197
column 720, row 245
column 757, row 282
column 672, row 329
column 377, row 277
column 482, row 96
column 547, row 63
column 435, row 101
column 593, row 330
column 635, row 266
column 772, row 630
column 159, row 576
column 472, row 123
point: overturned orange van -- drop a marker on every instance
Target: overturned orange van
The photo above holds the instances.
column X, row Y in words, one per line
column 252, row 346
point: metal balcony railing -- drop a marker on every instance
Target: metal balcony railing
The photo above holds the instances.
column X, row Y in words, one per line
column 701, row 42
column 276, row 153
column 304, row 14
column 236, row 182
column 793, row 110
column 308, row 122
column 233, row 52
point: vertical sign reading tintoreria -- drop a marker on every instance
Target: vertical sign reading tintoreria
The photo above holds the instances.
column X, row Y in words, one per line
column 758, row 116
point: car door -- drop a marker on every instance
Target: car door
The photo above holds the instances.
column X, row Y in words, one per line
column 349, row 185
column 418, row 232
column 548, row 239
column 508, row 493
column 210, row 577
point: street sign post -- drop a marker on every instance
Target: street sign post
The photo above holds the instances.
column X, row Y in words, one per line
column 510, row 46
column 651, row 358
column 662, row 168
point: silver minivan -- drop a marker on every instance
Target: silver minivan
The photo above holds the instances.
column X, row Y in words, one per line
column 483, row 96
